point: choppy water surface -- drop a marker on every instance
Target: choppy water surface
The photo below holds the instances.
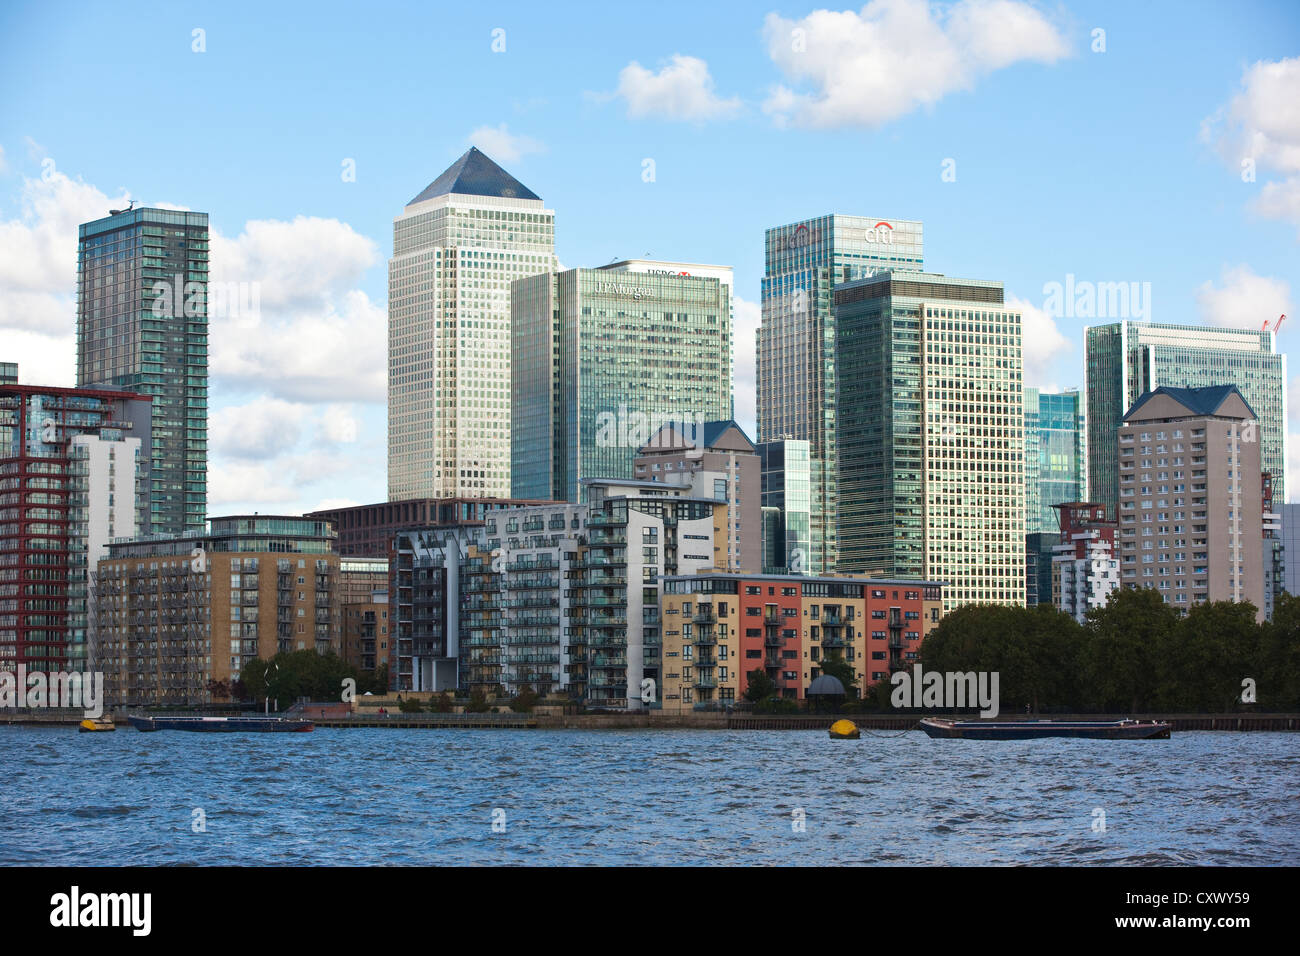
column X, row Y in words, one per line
column 643, row 797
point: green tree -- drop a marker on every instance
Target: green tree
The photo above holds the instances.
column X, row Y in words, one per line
column 760, row 686
column 843, row 671
column 440, row 704
column 1119, row 663
column 1276, row 669
column 524, row 701
column 477, row 702
column 410, row 705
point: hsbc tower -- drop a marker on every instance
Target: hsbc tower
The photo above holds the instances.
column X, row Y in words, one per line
column 795, row 356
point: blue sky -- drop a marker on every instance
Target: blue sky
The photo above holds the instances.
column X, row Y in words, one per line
column 1114, row 166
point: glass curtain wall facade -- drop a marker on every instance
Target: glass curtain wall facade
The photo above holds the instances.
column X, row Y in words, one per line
column 600, row 361
column 1054, row 471
column 456, row 249
column 931, row 434
column 1126, row 359
column 787, row 498
column 796, row 357
column 142, row 326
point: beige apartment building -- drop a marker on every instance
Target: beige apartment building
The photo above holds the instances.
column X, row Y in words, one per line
column 179, row 617
column 1190, row 518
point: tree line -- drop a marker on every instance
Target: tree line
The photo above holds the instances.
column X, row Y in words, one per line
column 1136, row 654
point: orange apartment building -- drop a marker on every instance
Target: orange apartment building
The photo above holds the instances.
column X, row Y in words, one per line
column 717, row 627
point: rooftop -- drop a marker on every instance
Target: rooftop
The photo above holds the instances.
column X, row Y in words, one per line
column 474, row 174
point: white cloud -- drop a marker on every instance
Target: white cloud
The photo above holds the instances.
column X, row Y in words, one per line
column 38, row 253
column 272, row 452
column 242, row 482
column 681, row 90
column 3, row 165
column 749, row 316
column 1041, row 343
column 38, row 275
column 1262, row 124
column 42, row 359
column 1244, row 300
column 873, row 66
column 313, row 335
column 502, row 145
column 261, row 429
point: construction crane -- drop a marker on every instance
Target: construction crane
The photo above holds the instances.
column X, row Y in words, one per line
column 1275, row 327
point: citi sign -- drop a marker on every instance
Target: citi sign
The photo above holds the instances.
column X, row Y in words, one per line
column 881, row 233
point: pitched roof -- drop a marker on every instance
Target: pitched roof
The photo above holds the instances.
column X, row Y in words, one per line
column 1198, row 401
column 476, row 175
column 709, row 433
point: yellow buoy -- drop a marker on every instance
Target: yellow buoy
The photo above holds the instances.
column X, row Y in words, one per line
column 845, row 730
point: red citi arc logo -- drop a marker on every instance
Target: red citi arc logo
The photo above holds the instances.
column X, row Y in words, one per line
column 882, row 232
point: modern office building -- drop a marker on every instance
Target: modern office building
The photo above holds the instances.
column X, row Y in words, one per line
column 723, row 274
column 795, row 356
column 1054, row 456
column 931, row 434
column 1190, row 507
column 717, row 461
column 368, row 530
column 1290, row 532
column 457, row 246
column 142, row 326
column 1274, row 560
column 1040, row 549
column 1085, row 567
column 8, row 373
column 1125, row 360
column 601, row 359
column 1054, row 473
column 787, row 505
column 179, row 617
column 73, row 476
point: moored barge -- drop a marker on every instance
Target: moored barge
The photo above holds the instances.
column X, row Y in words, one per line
column 1032, row 729
column 223, row 724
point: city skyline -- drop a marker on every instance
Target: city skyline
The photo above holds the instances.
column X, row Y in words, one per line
column 297, row 406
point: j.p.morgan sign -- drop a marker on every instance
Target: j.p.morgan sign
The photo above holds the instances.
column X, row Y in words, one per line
column 618, row 288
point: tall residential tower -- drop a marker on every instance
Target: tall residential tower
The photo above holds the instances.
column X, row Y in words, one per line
column 142, row 327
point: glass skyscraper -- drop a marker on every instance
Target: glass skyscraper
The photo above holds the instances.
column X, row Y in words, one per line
column 1126, row 359
column 142, row 327
column 787, row 505
column 796, row 360
column 931, row 434
column 457, row 246
column 600, row 359
column 1053, row 456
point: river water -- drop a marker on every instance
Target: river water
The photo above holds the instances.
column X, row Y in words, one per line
column 489, row 797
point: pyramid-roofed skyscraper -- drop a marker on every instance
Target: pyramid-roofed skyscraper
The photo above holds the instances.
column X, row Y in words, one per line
column 457, row 246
